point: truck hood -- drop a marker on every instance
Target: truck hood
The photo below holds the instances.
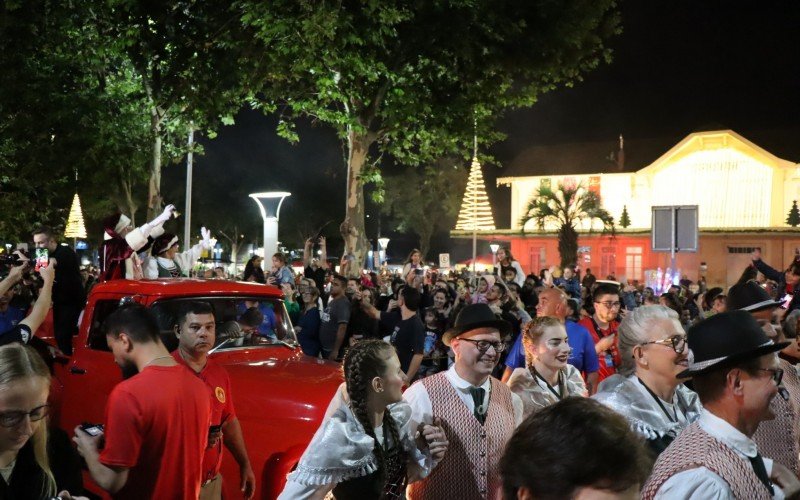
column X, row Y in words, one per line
column 266, row 383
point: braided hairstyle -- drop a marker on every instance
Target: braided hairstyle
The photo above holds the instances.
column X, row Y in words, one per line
column 532, row 332
column 363, row 362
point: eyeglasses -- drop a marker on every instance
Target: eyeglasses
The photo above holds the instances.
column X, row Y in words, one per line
column 611, row 305
column 484, row 345
column 677, row 342
column 14, row 418
column 777, row 374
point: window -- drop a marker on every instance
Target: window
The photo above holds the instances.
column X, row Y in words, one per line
column 743, row 249
column 608, row 262
column 97, row 336
column 633, row 263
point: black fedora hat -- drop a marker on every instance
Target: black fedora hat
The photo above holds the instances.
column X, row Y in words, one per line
column 475, row 316
column 724, row 340
column 750, row 296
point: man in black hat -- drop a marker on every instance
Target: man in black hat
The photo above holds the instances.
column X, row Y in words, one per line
column 778, row 438
column 736, row 374
column 477, row 412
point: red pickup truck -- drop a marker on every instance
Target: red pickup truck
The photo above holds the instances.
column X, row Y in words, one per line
column 280, row 394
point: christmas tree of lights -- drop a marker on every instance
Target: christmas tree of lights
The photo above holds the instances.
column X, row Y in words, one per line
column 75, row 227
column 476, row 213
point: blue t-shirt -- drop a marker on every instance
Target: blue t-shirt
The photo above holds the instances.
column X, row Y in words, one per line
column 267, row 326
column 10, row 318
column 583, row 356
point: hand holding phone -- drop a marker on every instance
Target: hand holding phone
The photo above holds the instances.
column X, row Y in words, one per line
column 92, row 429
column 42, row 259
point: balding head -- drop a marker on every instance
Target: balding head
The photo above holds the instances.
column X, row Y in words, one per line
column 552, row 303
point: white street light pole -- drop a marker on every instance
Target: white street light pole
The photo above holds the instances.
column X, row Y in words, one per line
column 495, row 247
column 269, row 204
column 383, row 242
column 187, row 220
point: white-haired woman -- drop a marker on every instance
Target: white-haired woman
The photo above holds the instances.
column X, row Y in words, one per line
column 647, row 390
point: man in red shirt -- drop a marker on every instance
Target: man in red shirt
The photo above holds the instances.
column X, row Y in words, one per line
column 602, row 325
column 196, row 330
column 156, row 423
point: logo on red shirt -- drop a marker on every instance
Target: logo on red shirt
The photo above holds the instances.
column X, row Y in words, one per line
column 220, row 393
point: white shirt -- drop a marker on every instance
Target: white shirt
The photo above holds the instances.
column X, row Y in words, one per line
column 422, row 410
column 185, row 261
column 701, row 482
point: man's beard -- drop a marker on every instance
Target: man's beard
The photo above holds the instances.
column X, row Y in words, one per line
column 128, row 369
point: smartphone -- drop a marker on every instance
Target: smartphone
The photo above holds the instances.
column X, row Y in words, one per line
column 92, row 429
column 419, row 272
column 42, row 259
column 787, row 299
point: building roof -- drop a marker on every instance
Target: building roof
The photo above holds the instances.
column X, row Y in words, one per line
column 601, row 156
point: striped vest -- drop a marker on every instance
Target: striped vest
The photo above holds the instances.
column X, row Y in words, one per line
column 695, row 448
column 470, row 468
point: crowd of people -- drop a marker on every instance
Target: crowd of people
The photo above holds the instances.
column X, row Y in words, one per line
column 455, row 386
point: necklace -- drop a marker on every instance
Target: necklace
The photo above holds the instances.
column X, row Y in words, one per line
column 560, row 383
column 661, row 405
column 155, row 359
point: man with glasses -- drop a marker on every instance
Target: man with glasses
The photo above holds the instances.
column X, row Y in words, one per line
column 477, row 411
column 778, row 438
column 736, row 374
column 603, row 325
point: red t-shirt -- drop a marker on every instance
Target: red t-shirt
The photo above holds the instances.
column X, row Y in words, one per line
column 610, row 359
column 156, row 425
column 218, row 385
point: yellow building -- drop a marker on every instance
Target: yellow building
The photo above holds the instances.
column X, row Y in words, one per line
column 743, row 193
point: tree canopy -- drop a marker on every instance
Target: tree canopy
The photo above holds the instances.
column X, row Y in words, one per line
column 415, row 81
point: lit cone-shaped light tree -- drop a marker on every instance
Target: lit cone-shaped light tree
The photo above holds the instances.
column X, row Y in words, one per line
column 75, row 227
column 476, row 213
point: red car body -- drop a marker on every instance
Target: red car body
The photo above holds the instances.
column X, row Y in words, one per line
column 280, row 394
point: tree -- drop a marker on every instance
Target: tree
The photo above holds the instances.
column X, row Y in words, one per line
column 408, row 79
column 566, row 207
column 424, row 200
column 624, row 219
column 793, row 219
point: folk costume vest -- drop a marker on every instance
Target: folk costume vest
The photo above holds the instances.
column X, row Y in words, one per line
column 696, row 448
column 779, row 438
column 470, row 468
column 163, row 272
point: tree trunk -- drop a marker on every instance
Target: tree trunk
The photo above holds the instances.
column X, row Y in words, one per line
column 154, row 186
column 126, row 204
column 425, row 231
column 352, row 229
column 568, row 245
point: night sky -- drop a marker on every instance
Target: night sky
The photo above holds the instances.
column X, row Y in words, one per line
column 679, row 66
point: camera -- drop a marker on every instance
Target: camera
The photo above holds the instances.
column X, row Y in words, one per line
column 13, row 259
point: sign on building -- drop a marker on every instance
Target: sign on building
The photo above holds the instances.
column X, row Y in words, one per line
column 444, row 260
column 674, row 229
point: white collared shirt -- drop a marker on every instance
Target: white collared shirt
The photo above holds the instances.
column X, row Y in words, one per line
column 422, row 410
column 701, row 482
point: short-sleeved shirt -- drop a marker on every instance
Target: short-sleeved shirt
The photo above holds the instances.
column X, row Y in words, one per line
column 336, row 313
column 582, row 357
column 156, row 425
column 10, row 318
column 218, row 384
column 608, row 360
column 407, row 337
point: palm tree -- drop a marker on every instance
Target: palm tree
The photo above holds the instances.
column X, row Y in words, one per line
column 566, row 206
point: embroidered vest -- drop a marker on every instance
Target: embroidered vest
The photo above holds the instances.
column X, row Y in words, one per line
column 470, row 468
column 696, row 448
column 779, row 438
column 163, row 272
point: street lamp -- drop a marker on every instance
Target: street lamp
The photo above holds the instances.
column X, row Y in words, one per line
column 383, row 242
column 495, row 247
column 269, row 204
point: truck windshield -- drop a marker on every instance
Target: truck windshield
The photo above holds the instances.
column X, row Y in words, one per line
column 240, row 321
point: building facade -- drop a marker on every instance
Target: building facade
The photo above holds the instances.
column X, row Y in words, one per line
column 742, row 191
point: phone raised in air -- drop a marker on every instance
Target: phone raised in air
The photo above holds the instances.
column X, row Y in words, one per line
column 42, row 259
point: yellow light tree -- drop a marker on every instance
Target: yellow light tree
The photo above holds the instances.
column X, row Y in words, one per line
column 476, row 213
column 75, row 227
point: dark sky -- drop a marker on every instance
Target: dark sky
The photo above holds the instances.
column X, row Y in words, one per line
column 678, row 66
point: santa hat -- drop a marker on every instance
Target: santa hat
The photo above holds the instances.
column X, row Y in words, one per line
column 113, row 224
column 163, row 243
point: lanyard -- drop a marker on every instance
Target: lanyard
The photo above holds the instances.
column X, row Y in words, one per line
column 660, row 404
column 561, row 385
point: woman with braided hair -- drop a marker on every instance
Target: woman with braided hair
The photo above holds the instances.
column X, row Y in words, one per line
column 365, row 447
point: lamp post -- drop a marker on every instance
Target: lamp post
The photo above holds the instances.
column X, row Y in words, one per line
column 383, row 242
column 495, row 247
column 269, row 204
